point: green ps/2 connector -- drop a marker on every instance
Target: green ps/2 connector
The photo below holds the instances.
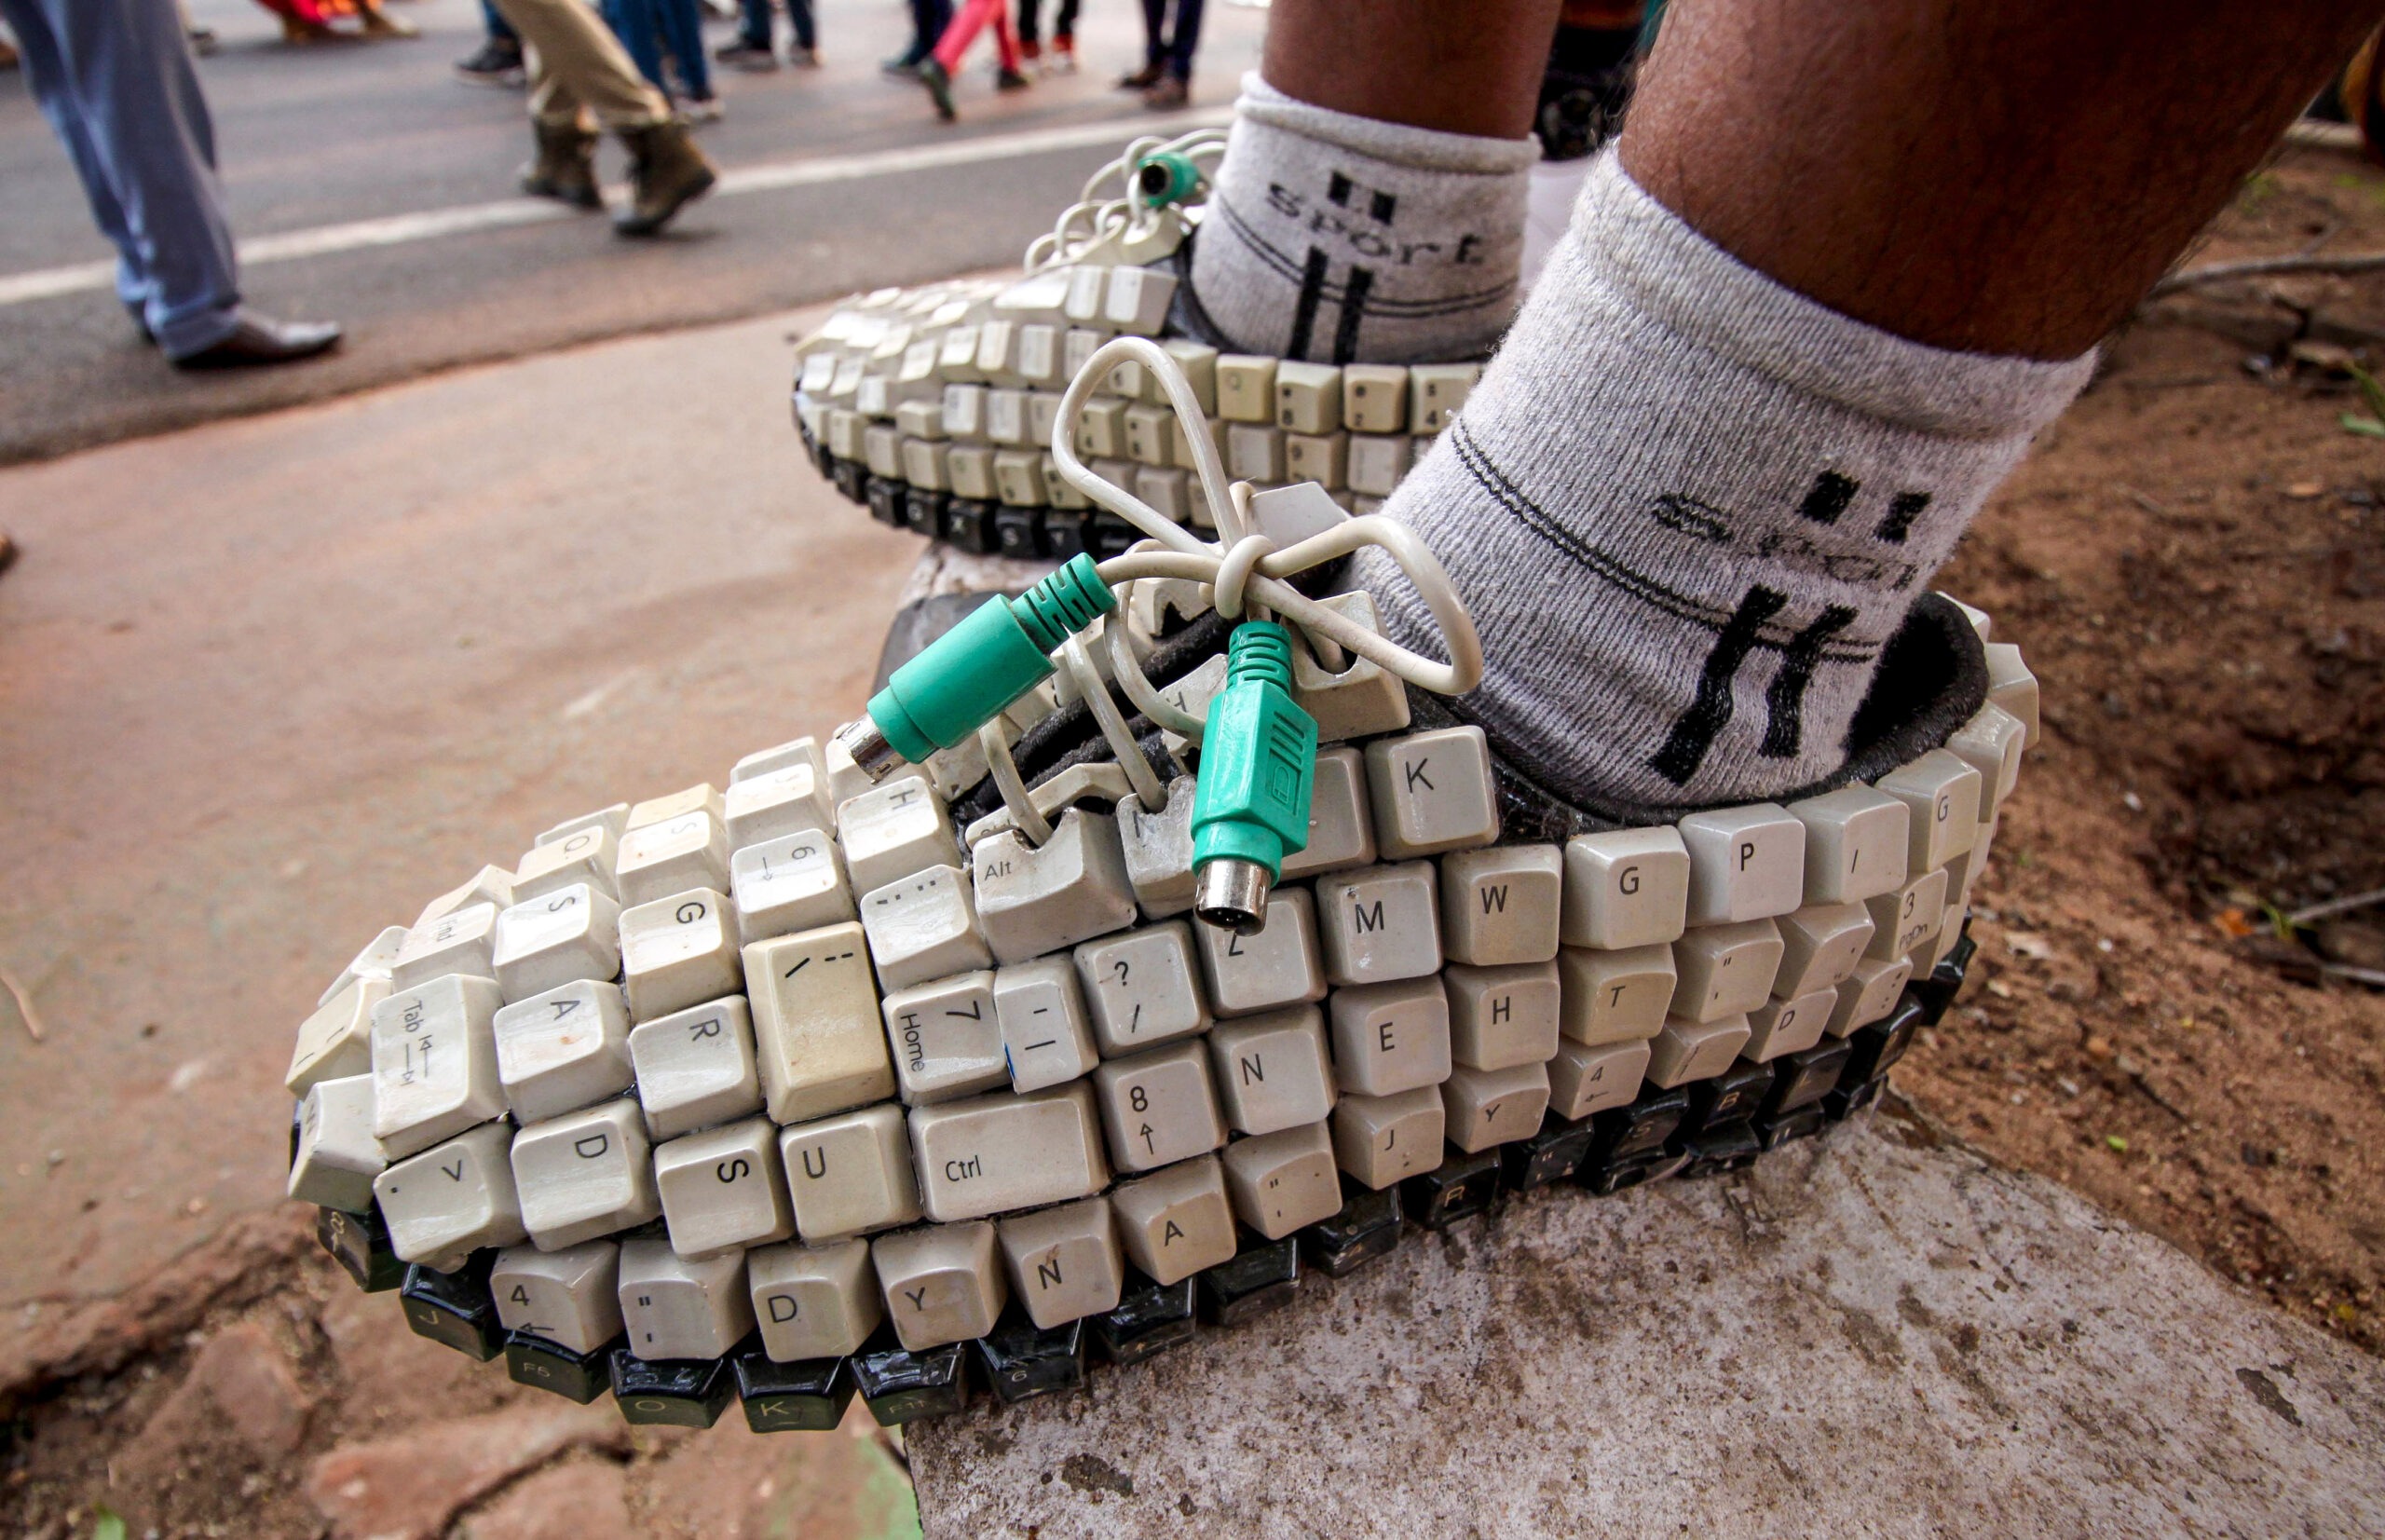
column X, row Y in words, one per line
column 1258, row 769
column 1165, row 179
column 965, row 677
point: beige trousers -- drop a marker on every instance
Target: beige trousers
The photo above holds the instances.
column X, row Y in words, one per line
column 577, row 63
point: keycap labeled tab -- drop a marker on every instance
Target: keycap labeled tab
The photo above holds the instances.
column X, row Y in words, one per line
column 1625, row 888
column 946, row 1039
column 1158, row 1107
column 1746, row 863
column 813, row 1301
column 1614, row 996
column 1380, row 923
column 678, row 950
column 1063, row 1263
column 1501, row 905
column 697, row 1067
column 1432, row 791
column 992, row 1153
column 435, row 1063
column 452, row 1200
column 819, row 1040
column 1140, row 988
column 1272, row 1072
column 1279, row 966
column 850, row 1174
column 1501, row 1017
column 725, row 1189
column 1389, row 1038
column 584, row 1175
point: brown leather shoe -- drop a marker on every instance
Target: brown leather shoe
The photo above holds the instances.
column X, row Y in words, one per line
column 1169, row 95
column 566, row 168
column 667, row 173
column 261, row 339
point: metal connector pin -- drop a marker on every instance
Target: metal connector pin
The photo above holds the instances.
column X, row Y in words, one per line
column 1231, row 894
column 872, row 754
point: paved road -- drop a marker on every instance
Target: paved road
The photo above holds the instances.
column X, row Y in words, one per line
column 325, row 136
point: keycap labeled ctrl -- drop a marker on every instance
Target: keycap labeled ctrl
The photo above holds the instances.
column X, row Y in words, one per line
column 992, row 1153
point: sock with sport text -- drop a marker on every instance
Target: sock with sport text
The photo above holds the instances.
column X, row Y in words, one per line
column 1340, row 238
column 1687, row 506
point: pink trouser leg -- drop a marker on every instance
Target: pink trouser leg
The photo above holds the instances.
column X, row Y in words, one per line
column 967, row 21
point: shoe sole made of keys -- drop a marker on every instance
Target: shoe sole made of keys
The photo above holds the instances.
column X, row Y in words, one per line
column 913, row 1081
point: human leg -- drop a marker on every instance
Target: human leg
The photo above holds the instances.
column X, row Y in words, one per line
column 583, row 63
column 1005, row 42
column 807, row 35
column 1155, row 47
column 45, row 71
column 637, row 24
column 682, row 34
column 1184, row 38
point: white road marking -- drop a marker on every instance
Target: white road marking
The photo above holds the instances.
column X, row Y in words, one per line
column 505, row 213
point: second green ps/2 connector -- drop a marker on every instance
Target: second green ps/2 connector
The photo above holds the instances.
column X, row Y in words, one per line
column 1257, row 768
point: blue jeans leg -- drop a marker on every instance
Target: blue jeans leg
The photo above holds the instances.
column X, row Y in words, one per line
column 682, row 34
column 633, row 22
column 1187, row 38
column 754, row 29
column 799, row 13
column 497, row 25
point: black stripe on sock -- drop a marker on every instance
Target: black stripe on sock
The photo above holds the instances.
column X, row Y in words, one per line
column 1695, row 731
column 1338, row 189
column 1304, row 313
column 1903, row 509
column 1354, row 310
column 1383, row 207
column 1830, row 497
column 1784, row 728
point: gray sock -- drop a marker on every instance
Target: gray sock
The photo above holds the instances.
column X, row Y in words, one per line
column 1341, row 239
column 1686, row 507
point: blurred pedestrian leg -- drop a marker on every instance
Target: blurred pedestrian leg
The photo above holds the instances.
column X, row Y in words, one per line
column 1064, row 35
column 648, row 27
column 929, row 17
column 497, row 62
column 1165, row 78
column 754, row 51
column 935, row 70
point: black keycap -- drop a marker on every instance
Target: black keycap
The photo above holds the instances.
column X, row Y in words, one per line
column 902, row 1386
column 1606, row 1177
column 969, row 524
column 1735, row 1096
column 1022, row 1360
column 1936, row 991
column 672, row 1391
column 1553, row 1155
column 533, row 1360
column 809, row 1395
column 454, row 1308
column 1804, row 1078
column 297, row 1117
column 1731, row 1147
column 1367, row 1228
column 852, row 478
column 1019, row 532
column 1846, row 1100
column 360, row 1243
column 1625, row 1134
column 885, row 497
column 1150, row 1320
column 1462, row 1187
column 1066, row 532
column 1110, row 536
column 1262, row 1275
column 1773, row 1131
column 923, row 510
column 1874, row 1050
column 803, row 431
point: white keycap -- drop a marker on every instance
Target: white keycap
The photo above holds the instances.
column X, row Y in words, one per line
column 1078, row 344
column 1485, row 1108
column 1617, row 996
column 456, row 943
column 562, row 1050
column 1435, row 393
column 1820, row 943
column 697, row 1067
column 956, row 357
column 793, row 800
column 1362, row 700
column 1903, row 920
column 941, row 1283
column 1341, row 830
column 1036, row 299
column 1625, row 888
column 570, row 1298
column 1991, row 743
column 792, row 883
column 1176, row 1223
column 1432, row 791
column 435, row 1063
column 1046, row 1037
column 1254, row 451
column 1689, row 1050
column 1246, row 388
column 1289, row 514
column 1147, row 435
column 569, row 933
column 813, row 1301
column 1943, row 793
column 1950, row 931
column 1746, row 863
column 1377, row 464
column 337, row 1157
column 1869, row 993
column 1058, row 490
column 818, row 1036
column 1374, row 398
column 584, row 1175
column 489, row 885
column 585, row 856
column 850, row 1174
column 1272, row 1072
column 925, row 926
column 1157, row 848
column 1032, row 900
column 371, row 965
column 965, row 406
column 1138, row 300
column 1501, row 905
column 1389, row 1038
column 1199, row 361
column 1063, row 1263
column 779, row 756
column 701, row 797
column 992, row 1153
column 1083, row 302
column 1158, row 1107
column 1006, row 418
column 614, row 819
column 1791, row 1026
column 1101, row 430
column 2013, row 686
column 1320, row 458
column 336, row 1040
column 946, row 1040
column 1380, row 1139
column 1855, row 844
column 678, row 950
column 972, row 469
column 724, row 1189
column 1582, row 1080
column 1278, row 1182
column 677, row 1308
column 1172, row 494
column 657, row 860
column 898, row 830
column 1501, row 1017
column 881, row 445
column 1725, row 970
column 1308, row 397
column 1380, row 923
column 453, row 1199
column 1140, row 988
column 1281, row 965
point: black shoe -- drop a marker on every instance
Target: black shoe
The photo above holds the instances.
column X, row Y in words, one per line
column 1010, row 80
column 746, row 54
column 1142, row 79
column 939, row 84
column 495, row 62
column 899, row 68
column 261, row 340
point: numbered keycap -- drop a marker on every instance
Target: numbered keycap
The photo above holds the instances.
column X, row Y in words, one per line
column 1379, row 1141
column 993, row 1153
column 1745, row 863
column 1582, row 1080
column 789, row 802
column 1487, row 1107
column 1272, row 1072
column 1341, row 830
column 1282, row 966
column 1502, row 906
column 1374, row 398
column 678, row 950
column 1176, row 1223
column 814, row 1301
column 371, row 965
column 788, row 885
column 1855, row 844
column 453, row 1199
column 1140, row 988
column 947, row 1041
column 1820, row 945
column 1046, row 1037
column 1501, row 1017
column 941, row 1283
column 1724, row 970
column 1037, row 899
column 456, row 943
column 1282, row 1181
column 925, row 926
column 894, row 830
column 1432, row 791
column 697, row 1067
column 337, row 1156
column 1435, row 391
column 1158, row 1107
column 1308, row 397
column 1380, row 923
column 1625, row 888
column 1389, row 1038
column 1906, row 918
column 569, row 1297
column 435, row 1063
column 1789, row 1026
column 819, row 1040
column 1941, row 792
column 1064, row 1263
column 584, row 856
column 678, row 1307
column 566, row 934
column 1689, row 1050
column 336, row 1042
column 1868, row 994
column 1157, row 848
column 1614, row 996
column 725, row 1189
column 658, row 860
column 850, row 1174
column 584, row 1175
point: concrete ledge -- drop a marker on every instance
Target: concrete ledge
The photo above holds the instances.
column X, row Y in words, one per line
column 1878, row 1333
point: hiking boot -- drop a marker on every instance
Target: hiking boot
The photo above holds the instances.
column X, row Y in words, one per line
column 565, row 170
column 938, row 80
column 667, row 173
column 495, row 62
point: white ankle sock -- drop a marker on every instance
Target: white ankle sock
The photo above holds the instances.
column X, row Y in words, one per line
column 1341, row 239
column 1686, row 507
